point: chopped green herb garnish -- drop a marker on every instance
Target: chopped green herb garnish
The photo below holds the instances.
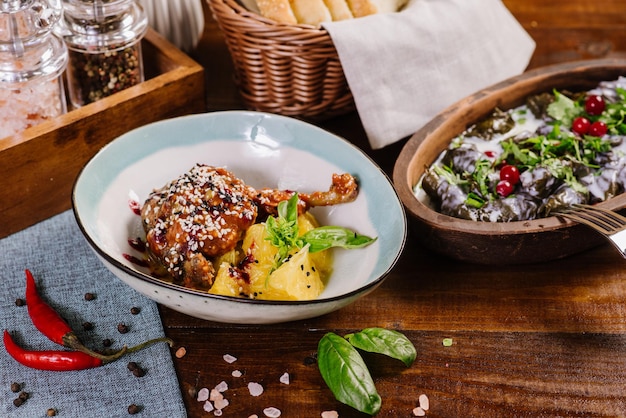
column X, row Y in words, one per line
column 283, row 234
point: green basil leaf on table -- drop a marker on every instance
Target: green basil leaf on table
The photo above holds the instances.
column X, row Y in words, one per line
column 384, row 341
column 346, row 374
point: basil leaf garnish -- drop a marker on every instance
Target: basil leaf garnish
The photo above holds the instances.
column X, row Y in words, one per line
column 384, row 341
column 282, row 232
column 325, row 237
column 346, row 374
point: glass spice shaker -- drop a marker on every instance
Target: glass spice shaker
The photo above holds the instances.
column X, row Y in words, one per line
column 32, row 61
column 104, row 42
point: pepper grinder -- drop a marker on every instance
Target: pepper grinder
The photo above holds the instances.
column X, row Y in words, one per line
column 32, row 61
column 104, row 42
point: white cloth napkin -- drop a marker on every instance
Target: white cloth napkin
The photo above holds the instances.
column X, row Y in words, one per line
column 404, row 68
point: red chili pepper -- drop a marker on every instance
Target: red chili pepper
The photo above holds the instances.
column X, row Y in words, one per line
column 50, row 324
column 49, row 359
column 45, row 319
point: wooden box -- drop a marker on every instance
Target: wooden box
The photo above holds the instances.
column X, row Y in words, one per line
column 38, row 167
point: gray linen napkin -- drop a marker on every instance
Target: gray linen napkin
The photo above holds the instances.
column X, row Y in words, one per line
column 403, row 68
column 65, row 269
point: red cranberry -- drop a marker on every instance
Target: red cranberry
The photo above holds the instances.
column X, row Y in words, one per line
column 490, row 154
column 598, row 128
column 581, row 125
column 504, row 188
column 594, row 105
column 510, row 173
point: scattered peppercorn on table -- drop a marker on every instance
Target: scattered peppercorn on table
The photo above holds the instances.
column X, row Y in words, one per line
column 543, row 339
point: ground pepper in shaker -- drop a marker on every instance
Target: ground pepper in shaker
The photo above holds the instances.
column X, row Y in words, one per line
column 104, row 42
column 32, row 61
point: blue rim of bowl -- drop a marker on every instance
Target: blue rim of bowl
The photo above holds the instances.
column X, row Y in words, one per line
column 161, row 283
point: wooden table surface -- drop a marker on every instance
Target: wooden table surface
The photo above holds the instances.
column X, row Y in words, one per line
column 537, row 340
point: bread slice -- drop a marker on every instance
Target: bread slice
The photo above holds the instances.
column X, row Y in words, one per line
column 388, row 6
column 360, row 8
column 278, row 10
column 339, row 9
column 310, row 12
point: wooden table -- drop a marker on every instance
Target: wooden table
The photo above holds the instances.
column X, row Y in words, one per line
column 535, row 340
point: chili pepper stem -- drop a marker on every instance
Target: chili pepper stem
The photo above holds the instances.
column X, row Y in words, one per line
column 71, row 341
column 149, row 343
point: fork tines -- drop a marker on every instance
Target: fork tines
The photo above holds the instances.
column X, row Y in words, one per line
column 604, row 220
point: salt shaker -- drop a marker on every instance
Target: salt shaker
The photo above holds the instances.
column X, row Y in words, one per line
column 32, row 61
column 104, row 42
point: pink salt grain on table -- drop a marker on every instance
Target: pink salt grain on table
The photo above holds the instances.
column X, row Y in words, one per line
column 284, row 379
column 255, row 389
column 229, row 359
column 272, row 412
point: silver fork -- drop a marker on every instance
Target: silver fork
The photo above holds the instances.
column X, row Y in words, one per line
column 610, row 224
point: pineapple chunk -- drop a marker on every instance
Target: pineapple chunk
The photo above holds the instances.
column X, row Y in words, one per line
column 297, row 279
column 323, row 260
column 262, row 253
column 228, row 282
column 301, row 278
column 232, row 257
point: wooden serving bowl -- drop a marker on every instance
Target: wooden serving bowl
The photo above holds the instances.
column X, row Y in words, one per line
column 498, row 243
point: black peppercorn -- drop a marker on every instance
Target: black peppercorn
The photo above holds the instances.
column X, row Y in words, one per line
column 87, row 326
column 133, row 409
column 136, row 369
column 122, row 328
column 90, row 296
column 20, row 302
column 94, row 76
column 15, row 387
column 135, row 310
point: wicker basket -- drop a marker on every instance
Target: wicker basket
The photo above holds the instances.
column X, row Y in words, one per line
column 292, row 70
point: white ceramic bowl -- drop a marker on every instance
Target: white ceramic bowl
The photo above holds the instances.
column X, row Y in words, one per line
column 265, row 151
